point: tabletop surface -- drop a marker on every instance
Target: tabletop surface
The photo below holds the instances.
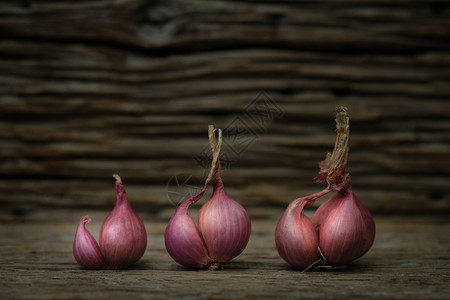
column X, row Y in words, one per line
column 409, row 260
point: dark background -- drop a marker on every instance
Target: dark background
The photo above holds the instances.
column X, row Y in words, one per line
column 92, row 88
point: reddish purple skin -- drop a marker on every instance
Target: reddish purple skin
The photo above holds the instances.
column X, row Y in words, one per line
column 224, row 225
column 183, row 240
column 123, row 238
column 346, row 228
column 296, row 238
column 224, row 230
column 85, row 248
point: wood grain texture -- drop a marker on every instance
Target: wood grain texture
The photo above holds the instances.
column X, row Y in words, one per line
column 91, row 88
column 409, row 260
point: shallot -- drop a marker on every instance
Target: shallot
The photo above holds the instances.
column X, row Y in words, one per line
column 224, row 225
column 342, row 228
column 123, row 238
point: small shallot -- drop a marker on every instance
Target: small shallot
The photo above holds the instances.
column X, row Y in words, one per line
column 123, row 238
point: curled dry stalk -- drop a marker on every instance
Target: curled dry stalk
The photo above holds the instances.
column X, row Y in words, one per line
column 215, row 147
column 333, row 167
column 215, row 164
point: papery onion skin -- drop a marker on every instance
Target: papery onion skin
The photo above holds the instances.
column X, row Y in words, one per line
column 85, row 248
column 296, row 240
column 224, row 225
column 183, row 240
column 296, row 237
column 346, row 228
column 123, row 238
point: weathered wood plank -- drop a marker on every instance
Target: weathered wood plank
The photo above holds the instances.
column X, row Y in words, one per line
column 409, row 259
column 91, row 88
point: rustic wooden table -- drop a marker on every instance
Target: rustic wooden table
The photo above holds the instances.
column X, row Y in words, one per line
column 410, row 259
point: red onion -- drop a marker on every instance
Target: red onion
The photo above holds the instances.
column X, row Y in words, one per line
column 342, row 228
column 224, row 224
column 346, row 228
column 296, row 237
column 85, row 248
column 183, row 239
column 123, row 238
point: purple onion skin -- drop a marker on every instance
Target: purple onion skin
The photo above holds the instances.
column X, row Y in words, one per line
column 183, row 240
column 123, row 238
column 296, row 238
column 346, row 228
column 85, row 248
column 224, row 225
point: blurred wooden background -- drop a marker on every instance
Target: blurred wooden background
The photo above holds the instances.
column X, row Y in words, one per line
column 92, row 88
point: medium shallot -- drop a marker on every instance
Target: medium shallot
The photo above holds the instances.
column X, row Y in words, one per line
column 224, row 226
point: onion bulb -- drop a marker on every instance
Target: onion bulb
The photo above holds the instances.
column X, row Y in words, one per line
column 342, row 228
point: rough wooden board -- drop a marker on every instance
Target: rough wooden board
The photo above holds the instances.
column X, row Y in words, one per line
column 409, row 260
column 89, row 88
